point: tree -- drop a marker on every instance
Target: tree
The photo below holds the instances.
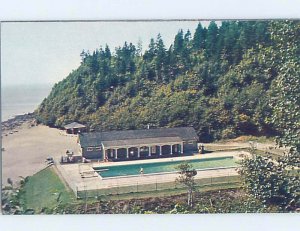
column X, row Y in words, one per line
column 83, row 55
column 178, row 42
column 186, row 177
column 211, row 39
column 270, row 181
column 285, row 99
column 139, row 49
column 187, row 38
column 160, row 55
column 199, row 37
column 150, row 53
column 277, row 181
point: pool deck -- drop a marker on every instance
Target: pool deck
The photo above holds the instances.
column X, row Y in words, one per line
column 71, row 173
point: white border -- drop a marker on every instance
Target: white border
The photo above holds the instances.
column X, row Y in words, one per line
column 150, row 9
column 147, row 9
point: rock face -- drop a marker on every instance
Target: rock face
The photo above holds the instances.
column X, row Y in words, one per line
column 12, row 124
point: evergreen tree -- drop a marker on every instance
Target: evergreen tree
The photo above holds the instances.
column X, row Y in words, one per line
column 199, row 38
column 178, row 42
column 211, row 39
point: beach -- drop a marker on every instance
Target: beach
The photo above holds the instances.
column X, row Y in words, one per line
column 25, row 147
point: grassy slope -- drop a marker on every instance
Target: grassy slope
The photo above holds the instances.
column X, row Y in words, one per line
column 235, row 184
column 45, row 189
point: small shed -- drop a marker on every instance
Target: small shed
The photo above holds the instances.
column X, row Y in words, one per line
column 74, row 128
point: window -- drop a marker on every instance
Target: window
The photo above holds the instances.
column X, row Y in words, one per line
column 176, row 148
column 153, row 149
column 144, row 149
column 97, row 148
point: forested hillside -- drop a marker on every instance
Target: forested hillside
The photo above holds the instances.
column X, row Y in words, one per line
column 222, row 80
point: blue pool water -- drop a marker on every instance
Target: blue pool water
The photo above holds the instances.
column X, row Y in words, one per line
column 170, row 166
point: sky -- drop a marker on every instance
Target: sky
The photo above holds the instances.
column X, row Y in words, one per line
column 46, row 52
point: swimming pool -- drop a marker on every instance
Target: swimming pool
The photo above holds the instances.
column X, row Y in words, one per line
column 158, row 167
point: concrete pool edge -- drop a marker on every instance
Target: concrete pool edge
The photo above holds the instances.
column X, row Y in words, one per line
column 72, row 175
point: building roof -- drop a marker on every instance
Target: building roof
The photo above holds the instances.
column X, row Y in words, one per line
column 74, row 125
column 97, row 138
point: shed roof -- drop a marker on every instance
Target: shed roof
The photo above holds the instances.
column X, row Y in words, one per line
column 74, row 125
column 97, row 138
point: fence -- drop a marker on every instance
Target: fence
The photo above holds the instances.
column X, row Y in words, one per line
column 118, row 188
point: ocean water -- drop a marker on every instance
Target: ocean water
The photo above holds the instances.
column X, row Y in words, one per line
column 20, row 99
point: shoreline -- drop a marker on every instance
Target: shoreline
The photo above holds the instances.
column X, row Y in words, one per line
column 17, row 121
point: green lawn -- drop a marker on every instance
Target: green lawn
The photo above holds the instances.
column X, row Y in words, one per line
column 45, row 189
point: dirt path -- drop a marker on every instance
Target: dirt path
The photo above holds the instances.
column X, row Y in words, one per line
column 232, row 145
